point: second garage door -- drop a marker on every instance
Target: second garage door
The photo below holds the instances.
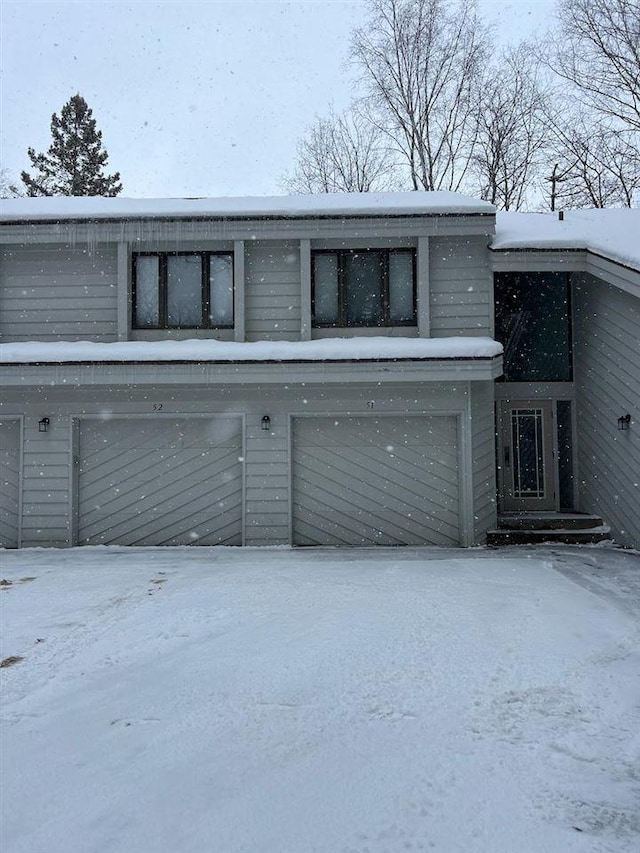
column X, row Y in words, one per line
column 375, row 481
column 160, row 481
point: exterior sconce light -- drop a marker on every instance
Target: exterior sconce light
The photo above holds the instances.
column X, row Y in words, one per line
column 266, row 423
column 43, row 424
column 624, row 421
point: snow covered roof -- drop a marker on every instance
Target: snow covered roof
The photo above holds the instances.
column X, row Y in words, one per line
column 612, row 233
column 327, row 349
column 330, row 204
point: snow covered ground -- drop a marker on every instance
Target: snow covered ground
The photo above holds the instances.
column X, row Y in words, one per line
column 286, row 701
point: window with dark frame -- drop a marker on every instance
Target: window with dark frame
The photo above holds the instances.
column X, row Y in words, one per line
column 183, row 290
column 363, row 287
column 533, row 323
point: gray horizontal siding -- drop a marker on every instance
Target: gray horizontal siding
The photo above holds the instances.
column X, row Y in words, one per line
column 48, row 481
column 9, row 483
column 58, row 293
column 267, row 480
column 460, row 286
column 46, row 495
column 483, row 443
column 607, row 375
column 272, row 291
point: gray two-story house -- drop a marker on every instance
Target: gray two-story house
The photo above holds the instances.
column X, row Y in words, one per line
column 321, row 370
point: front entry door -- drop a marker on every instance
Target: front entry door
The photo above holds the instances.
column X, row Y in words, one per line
column 526, row 469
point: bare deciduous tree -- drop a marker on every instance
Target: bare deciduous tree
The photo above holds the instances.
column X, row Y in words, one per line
column 512, row 132
column 8, row 187
column 594, row 165
column 597, row 49
column 421, row 61
column 343, row 153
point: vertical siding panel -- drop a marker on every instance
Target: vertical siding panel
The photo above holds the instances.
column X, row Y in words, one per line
column 239, row 291
column 305, row 290
column 124, row 291
column 422, row 288
column 607, row 377
column 59, row 293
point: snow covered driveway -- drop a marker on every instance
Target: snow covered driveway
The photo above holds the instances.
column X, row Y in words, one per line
column 277, row 701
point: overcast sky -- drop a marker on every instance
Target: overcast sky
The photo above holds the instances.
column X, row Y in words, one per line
column 200, row 98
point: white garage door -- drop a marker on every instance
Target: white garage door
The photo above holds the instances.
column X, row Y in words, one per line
column 160, row 481
column 375, row 481
column 9, row 482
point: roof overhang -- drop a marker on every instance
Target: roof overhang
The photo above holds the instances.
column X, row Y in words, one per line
column 71, row 375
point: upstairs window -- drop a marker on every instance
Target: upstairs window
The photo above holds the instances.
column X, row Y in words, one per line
column 183, row 290
column 533, row 322
column 363, row 288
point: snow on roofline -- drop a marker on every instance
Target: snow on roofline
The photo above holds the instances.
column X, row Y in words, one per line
column 613, row 233
column 324, row 205
column 326, row 349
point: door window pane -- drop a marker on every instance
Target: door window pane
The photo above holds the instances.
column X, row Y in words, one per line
column 147, row 307
column 184, row 290
column 565, row 454
column 363, row 273
column 528, row 453
column 400, row 287
column 221, row 290
column 325, row 288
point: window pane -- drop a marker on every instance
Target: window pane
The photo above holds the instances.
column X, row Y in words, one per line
column 528, row 453
column 363, row 283
column 184, row 290
column 565, row 454
column 325, row 288
column 401, row 307
column 147, row 307
column 221, row 290
column 532, row 322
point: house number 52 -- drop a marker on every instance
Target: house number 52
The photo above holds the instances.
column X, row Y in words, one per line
column 158, row 407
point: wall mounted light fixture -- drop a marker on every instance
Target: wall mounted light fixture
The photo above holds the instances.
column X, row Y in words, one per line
column 266, row 423
column 624, row 421
column 43, row 424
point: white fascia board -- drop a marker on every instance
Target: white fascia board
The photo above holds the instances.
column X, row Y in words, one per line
column 72, row 375
column 191, row 232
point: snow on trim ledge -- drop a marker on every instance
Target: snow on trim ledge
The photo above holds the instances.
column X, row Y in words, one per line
column 327, row 349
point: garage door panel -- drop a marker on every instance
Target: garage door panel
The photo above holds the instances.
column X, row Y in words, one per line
column 9, row 482
column 326, row 491
column 160, row 481
column 391, row 474
column 161, row 506
column 168, row 468
column 395, row 520
column 357, row 432
column 391, row 481
column 191, row 525
column 375, row 480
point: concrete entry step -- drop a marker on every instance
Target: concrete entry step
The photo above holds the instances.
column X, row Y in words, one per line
column 536, row 537
column 548, row 521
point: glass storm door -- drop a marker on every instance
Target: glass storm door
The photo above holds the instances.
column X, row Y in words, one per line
column 525, row 456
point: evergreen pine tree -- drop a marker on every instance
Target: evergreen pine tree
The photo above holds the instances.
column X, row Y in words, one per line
column 74, row 164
